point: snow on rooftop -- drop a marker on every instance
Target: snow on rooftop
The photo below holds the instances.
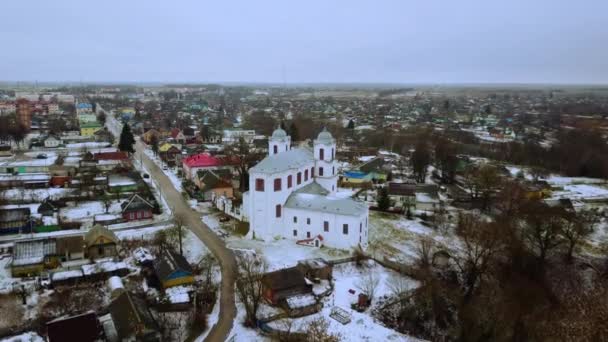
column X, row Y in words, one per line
column 178, row 294
column 301, row 301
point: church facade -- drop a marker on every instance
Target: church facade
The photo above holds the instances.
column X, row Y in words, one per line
column 293, row 195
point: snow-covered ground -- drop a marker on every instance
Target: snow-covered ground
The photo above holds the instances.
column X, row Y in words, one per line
column 581, row 191
column 6, row 282
column 554, row 179
column 284, row 253
column 395, row 236
column 25, row 337
column 87, row 145
column 362, row 327
column 194, row 248
column 85, row 211
column 35, row 194
column 141, row 233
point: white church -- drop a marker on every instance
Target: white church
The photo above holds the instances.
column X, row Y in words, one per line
column 292, row 195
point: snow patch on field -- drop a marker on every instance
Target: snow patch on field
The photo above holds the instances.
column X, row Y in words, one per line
column 141, row 233
column 285, row 253
column 194, row 248
column 25, row 337
column 582, row 191
column 35, row 194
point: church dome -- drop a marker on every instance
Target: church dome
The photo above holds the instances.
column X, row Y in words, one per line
column 279, row 133
column 325, row 136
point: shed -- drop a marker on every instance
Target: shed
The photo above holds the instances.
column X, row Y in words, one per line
column 79, row 328
column 172, row 269
column 279, row 285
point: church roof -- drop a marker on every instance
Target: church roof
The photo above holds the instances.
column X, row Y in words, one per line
column 325, row 137
column 279, row 133
column 292, row 159
column 314, row 197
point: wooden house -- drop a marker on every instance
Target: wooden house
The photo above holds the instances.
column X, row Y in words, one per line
column 80, row 328
column 172, row 269
column 281, row 284
column 212, row 184
column 100, row 242
column 15, row 220
column 133, row 320
column 168, row 153
column 136, row 208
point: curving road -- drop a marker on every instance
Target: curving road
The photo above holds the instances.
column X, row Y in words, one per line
column 221, row 330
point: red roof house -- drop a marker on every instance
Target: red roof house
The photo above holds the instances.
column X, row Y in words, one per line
column 118, row 155
column 201, row 161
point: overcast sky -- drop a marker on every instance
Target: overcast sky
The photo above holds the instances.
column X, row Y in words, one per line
column 401, row 41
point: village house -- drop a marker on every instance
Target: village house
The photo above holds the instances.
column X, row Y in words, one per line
column 402, row 195
column 317, row 268
column 25, row 180
column 88, row 129
column 30, row 257
column 213, row 184
column 172, row 269
column 150, row 135
column 15, row 220
column 202, row 161
column 52, row 141
column 100, row 242
column 169, row 153
column 133, row 320
column 282, row 284
column 6, row 151
column 232, row 136
column 178, row 136
column 80, row 328
column 103, row 135
column 136, row 208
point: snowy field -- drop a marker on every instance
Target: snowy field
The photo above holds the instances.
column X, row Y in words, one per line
column 284, row 253
column 581, row 191
column 363, row 327
column 85, row 211
column 395, row 236
column 22, row 194
column 25, row 337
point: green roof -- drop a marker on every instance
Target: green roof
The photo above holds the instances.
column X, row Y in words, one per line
column 90, row 125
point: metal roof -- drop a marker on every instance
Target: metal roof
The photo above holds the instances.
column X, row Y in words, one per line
column 283, row 161
column 311, row 198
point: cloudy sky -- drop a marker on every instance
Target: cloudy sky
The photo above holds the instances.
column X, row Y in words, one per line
column 401, row 41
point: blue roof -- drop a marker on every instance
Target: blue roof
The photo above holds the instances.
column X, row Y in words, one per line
column 355, row 174
column 85, row 105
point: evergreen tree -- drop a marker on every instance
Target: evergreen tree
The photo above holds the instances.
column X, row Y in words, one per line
column 127, row 140
column 351, row 124
column 421, row 159
column 383, row 200
column 293, row 132
column 154, row 144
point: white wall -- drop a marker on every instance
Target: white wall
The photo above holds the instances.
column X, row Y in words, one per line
column 335, row 237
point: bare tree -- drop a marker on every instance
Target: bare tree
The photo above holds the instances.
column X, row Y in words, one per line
column 176, row 233
column 249, row 287
column 318, row 331
column 368, row 284
column 424, row 253
column 481, row 243
column 576, row 228
column 542, row 228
